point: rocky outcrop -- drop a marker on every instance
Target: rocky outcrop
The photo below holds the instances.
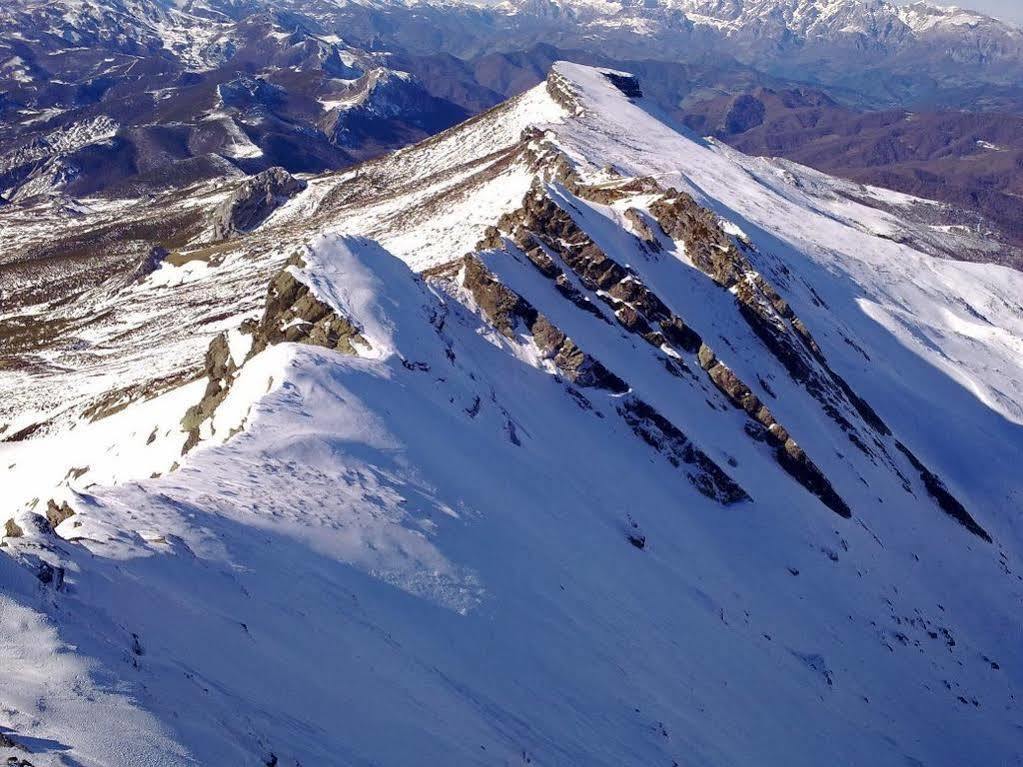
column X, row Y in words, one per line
column 561, row 91
column 706, row 244
column 626, row 83
column 12, row 529
column 788, row 453
column 541, row 228
column 28, row 524
column 509, row 313
column 642, row 229
column 292, row 314
column 945, row 500
column 769, row 316
column 253, row 202
column 149, row 263
column 220, row 370
column 116, row 400
column 789, row 340
column 57, row 513
column 546, row 234
column 668, row 440
column 505, row 308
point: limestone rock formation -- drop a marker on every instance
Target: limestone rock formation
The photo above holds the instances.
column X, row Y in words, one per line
column 254, row 201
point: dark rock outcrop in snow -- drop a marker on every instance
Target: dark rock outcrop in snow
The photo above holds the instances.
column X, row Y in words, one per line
column 149, row 263
column 542, row 228
column 945, row 500
column 292, row 314
column 508, row 312
column 627, row 84
column 220, row 370
column 791, row 457
column 769, row 316
column 546, row 233
column 57, row 513
column 789, row 340
column 667, row 439
column 253, row 202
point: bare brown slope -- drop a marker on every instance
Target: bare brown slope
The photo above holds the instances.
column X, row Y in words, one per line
column 970, row 160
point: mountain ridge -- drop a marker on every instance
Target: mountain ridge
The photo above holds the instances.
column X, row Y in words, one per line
column 137, row 97
column 561, row 436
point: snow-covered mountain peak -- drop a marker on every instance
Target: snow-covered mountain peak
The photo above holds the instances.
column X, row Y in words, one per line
column 563, row 436
column 921, row 16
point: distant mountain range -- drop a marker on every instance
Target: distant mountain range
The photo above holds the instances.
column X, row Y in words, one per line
column 971, row 160
column 129, row 97
column 870, row 52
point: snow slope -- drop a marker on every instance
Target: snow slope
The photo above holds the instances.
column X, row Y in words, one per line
column 460, row 542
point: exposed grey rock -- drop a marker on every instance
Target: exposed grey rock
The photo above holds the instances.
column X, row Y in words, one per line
column 643, row 229
column 541, row 227
column 627, row 84
column 28, row 524
column 505, row 308
column 707, row 246
column 253, row 202
column 790, row 341
column 50, row 575
column 790, row 456
column 149, row 263
column 561, row 91
column 945, row 500
column 508, row 312
column 767, row 313
column 220, row 370
column 667, row 439
column 292, row 314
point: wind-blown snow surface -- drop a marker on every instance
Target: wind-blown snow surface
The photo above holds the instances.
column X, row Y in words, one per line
column 419, row 555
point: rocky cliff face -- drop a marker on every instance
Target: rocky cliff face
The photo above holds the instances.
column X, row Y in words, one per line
column 546, row 233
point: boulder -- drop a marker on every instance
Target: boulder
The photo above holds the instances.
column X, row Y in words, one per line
column 253, row 202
